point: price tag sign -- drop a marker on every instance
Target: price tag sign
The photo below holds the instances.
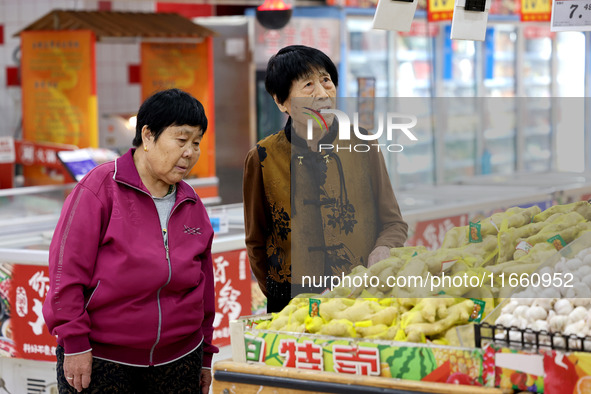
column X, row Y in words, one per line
column 571, row 15
column 535, row 10
column 440, row 10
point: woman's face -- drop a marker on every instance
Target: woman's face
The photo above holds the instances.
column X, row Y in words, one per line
column 314, row 91
column 173, row 155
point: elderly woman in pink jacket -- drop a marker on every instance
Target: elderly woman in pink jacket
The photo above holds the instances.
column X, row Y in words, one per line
column 132, row 290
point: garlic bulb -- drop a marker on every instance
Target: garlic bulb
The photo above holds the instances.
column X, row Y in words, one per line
column 506, row 320
column 578, row 314
column 550, row 292
column 563, row 307
column 575, row 328
column 557, row 323
column 545, row 303
column 583, row 271
column 520, row 311
column 540, row 325
column 560, row 266
column 546, row 270
column 510, row 307
column 573, row 264
column 536, row 313
column 581, row 302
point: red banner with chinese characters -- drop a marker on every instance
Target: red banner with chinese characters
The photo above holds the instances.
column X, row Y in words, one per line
column 233, row 292
column 430, row 233
column 536, row 10
column 32, row 153
column 32, row 340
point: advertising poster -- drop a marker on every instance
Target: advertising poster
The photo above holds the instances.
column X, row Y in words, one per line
column 29, row 287
column 186, row 66
column 59, row 87
column 59, row 93
column 233, row 292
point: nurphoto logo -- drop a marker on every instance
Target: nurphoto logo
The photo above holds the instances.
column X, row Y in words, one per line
column 345, row 130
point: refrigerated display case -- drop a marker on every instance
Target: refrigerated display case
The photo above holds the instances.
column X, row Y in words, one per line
column 500, row 60
column 414, row 60
column 536, row 50
column 367, row 56
column 456, row 142
column 459, row 66
column 415, row 164
column 517, row 74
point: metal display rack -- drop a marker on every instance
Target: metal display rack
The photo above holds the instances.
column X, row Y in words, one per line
column 529, row 339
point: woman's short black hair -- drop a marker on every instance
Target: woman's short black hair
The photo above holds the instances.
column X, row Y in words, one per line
column 172, row 107
column 292, row 63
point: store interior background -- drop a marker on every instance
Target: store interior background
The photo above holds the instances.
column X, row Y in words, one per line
column 517, row 60
column 521, row 63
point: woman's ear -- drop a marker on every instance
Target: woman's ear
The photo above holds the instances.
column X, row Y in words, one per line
column 146, row 135
column 281, row 107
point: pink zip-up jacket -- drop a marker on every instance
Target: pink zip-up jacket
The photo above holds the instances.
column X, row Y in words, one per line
column 114, row 286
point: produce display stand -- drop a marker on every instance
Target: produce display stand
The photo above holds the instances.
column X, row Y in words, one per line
column 432, row 210
column 247, row 378
column 272, row 361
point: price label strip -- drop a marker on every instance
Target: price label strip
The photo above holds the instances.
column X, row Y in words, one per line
column 571, row 15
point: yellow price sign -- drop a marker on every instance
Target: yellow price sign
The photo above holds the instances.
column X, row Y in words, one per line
column 536, row 10
column 438, row 10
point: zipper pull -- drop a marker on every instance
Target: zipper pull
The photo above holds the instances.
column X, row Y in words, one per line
column 165, row 243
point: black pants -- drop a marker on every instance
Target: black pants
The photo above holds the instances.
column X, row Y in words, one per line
column 180, row 376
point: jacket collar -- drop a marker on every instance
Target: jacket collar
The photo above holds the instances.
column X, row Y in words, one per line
column 126, row 172
column 296, row 140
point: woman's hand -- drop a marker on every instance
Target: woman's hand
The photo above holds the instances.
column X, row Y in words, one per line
column 205, row 380
column 77, row 369
column 378, row 254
